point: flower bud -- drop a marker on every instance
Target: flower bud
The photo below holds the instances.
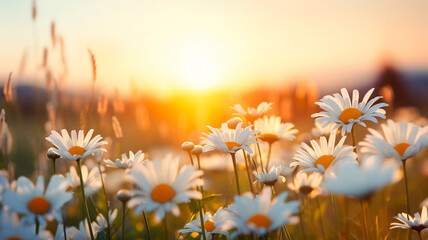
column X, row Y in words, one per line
column 124, row 195
column 187, row 146
column 197, row 150
column 233, row 122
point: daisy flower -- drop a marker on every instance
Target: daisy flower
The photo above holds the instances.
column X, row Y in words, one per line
column 81, row 233
column 91, row 180
column 272, row 130
column 36, row 202
column 399, row 140
column 346, row 112
column 417, row 223
column 212, row 225
column 252, row 113
column 78, row 146
column 262, row 214
column 11, row 228
column 319, row 130
column 271, row 177
column 126, row 162
column 323, row 155
column 162, row 187
column 362, row 180
column 229, row 140
column 307, row 184
column 101, row 222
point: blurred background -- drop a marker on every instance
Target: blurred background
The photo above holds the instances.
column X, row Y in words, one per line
column 166, row 69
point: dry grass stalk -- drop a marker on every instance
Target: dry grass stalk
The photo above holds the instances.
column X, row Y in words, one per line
column 7, row 90
column 94, row 65
column 116, row 127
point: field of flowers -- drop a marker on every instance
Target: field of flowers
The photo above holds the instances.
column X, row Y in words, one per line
column 253, row 177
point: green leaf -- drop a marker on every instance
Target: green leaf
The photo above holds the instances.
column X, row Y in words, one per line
column 102, row 235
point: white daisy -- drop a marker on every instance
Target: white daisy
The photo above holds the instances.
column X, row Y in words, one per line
column 362, row 180
column 272, row 130
column 212, row 225
column 161, row 186
column 323, row 155
column 417, row 223
column 252, row 113
column 101, row 221
column 229, row 140
column 91, row 180
column 11, row 229
column 261, row 214
column 81, row 233
column 399, row 140
column 126, row 162
column 319, row 130
column 78, row 146
column 307, row 184
column 271, row 177
column 346, row 112
column 36, row 202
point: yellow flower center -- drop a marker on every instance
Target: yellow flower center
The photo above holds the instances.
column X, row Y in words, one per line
column 269, row 137
column 260, row 220
column 305, row 190
column 39, row 205
column 209, row 226
column 76, row 150
column 401, row 148
column 162, row 193
column 324, row 160
column 69, row 188
column 13, row 238
column 231, row 145
column 349, row 113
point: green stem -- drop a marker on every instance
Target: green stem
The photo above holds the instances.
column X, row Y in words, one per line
column 268, row 157
column 260, row 156
column 37, row 226
column 336, row 213
column 54, row 167
column 106, row 201
column 248, row 171
column 123, row 219
column 286, row 232
column 419, row 235
column 165, row 224
column 191, row 158
column 147, row 226
column 302, row 225
column 201, row 216
column 321, row 221
column 199, row 168
column 353, row 139
column 236, row 173
column 366, row 234
column 406, row 186
column 88, row 217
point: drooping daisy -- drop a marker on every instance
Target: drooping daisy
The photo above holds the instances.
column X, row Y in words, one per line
column 271, row 177
column 126, row 162
column 417, row 223
column 162, row 187
column 399, row 140
column 81, row 233
column 229, row 140
column 78, row 146
column 319, row 130
column 323, row 155
column 261, row 214
column 346, row 112
column 91, row 180
column 36, row 202
column 362, row 180
column 252, row 113
column 272, row 130
column 307, row 184
column 101, row 221
column 212, row 225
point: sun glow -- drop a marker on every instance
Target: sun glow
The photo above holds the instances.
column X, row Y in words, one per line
column 198, row 66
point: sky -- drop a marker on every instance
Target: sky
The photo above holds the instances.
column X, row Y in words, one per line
column 197, row 45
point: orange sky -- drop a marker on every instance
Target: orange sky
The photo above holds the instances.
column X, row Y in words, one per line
column 193, row 44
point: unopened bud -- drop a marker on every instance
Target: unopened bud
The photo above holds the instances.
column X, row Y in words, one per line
column 52, row 154
column 187, row 146
column 124, row 195
column 197, row 150
column 233, row 122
